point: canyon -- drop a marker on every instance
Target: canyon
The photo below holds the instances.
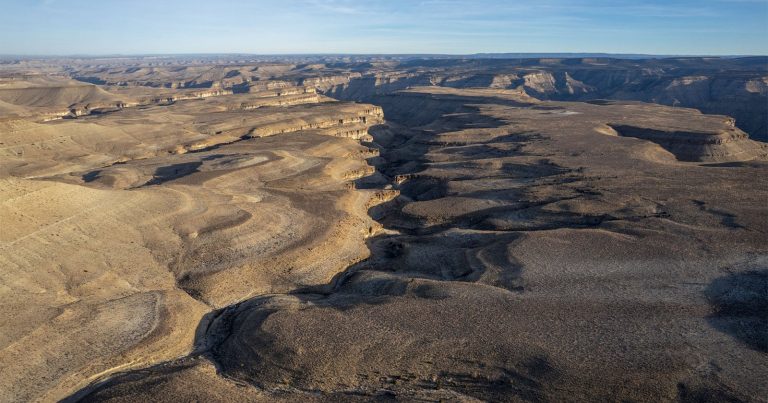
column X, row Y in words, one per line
column 736, row 87
column 383, row 228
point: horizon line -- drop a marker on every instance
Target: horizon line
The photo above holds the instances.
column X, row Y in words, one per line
column 163, row 54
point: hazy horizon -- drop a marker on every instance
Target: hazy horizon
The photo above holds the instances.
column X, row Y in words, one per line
column 414, row 55
column 400, row 27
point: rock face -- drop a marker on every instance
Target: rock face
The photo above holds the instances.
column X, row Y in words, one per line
column 728, row 87
column 258, row 240
column 721, row 146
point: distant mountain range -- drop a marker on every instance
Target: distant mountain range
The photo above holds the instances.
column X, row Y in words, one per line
column 366, row 57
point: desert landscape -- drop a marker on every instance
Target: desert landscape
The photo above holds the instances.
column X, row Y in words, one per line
column 409, row 228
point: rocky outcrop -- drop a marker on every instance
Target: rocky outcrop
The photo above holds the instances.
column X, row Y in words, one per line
column 727, row 145
column 324, row 83
column 352, row 124
column 369, row 85
column 286, row 100
column 727, row 87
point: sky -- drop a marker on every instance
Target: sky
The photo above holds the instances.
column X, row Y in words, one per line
column 671, row 27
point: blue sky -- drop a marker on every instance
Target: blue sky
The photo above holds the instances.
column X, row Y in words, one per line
column 383, row 26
